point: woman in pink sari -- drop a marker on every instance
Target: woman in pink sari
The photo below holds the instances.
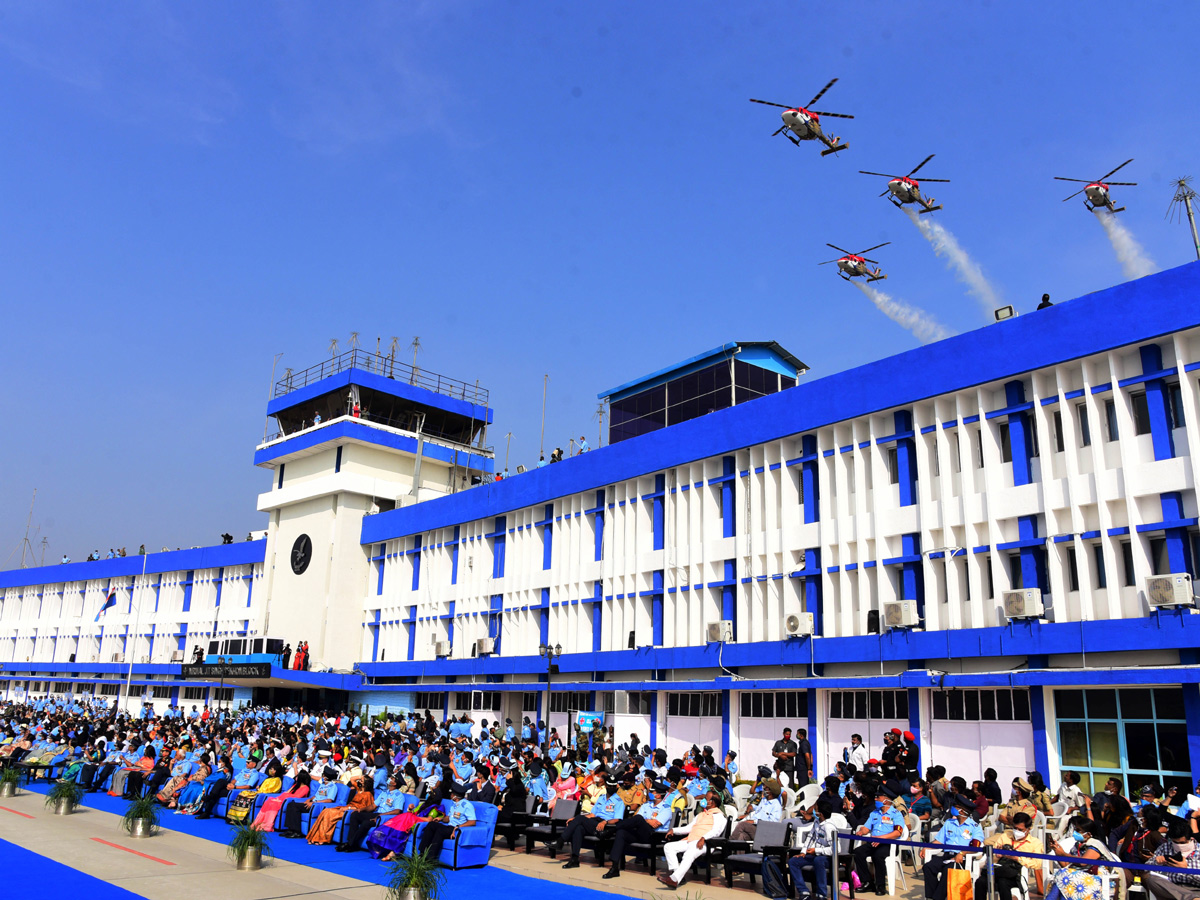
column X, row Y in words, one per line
column 564, row 787
column 265, row 820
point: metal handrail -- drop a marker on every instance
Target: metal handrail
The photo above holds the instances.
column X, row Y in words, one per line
column 386, row 367
column 387, row 423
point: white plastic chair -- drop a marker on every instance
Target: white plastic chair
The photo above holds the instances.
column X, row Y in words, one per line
column 894, row 866
column 914, row 827
column 741, row 796
column 808, row 796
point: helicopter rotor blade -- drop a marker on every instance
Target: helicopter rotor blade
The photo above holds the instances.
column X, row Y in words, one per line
column 1123, row 183
column 827, row 262
column 919, row 165
column 885, row 193
column 873, row 262
column 831, row 115
column 880, row 174
column 1080, row 180
column 821, row 93
column 869, row 249
column 840, row 250
column 938, row 180
column 769, row 103
column 1114, row 171
column 1076, row 194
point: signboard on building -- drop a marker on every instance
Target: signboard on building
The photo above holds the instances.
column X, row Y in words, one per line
column 586, row 720
column 212, row 671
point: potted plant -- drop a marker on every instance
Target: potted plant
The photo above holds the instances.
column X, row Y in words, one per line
column 248, row 846
column 9, row 779
column 416, row 877
column 64, row 796
column 141, row 817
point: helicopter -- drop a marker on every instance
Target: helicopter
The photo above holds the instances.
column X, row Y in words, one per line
column 905, row 189
column 803, row 124
column 1096, row 192
column 854, row 265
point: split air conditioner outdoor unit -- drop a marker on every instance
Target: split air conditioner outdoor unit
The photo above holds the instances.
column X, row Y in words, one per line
column 1023, row 604
column 484, row 646
column 901, row 614
column 1169, row 590
column 441, row 648
column 719, row 632
column 798, row 625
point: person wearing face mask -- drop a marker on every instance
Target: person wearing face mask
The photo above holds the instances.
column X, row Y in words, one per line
column 683, row 851
column 1078, row 878
column 857, row 754
column 1019, row 837
column 607, row 811
column 767, row 809
column 960, row 830
column 1020, row 802
column 1180, row 852
column 653, row 817
column 884, row 822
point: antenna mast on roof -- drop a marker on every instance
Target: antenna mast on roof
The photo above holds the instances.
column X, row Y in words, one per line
column 392, row 356
column 1185, row 195
column 29, row 521
column 416, row 346
column 354, row 340
column 333, row 345
column 598, row 415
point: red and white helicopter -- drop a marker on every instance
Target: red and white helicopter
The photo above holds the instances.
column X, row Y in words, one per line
column 854, row 265
column 905, row 189
column 1096, row 191
column 802, row 124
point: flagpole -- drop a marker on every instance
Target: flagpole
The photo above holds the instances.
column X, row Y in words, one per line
column 137, row 621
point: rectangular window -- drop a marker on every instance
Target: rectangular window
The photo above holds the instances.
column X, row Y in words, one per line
column 1014, row 571
column 635, row 703
column 109, row 690
column 1127, row 560
column 1059, row 444
column 222, row 695
column 957, row 453
column 893, row 461
column 1110, row 419
column 1141, row 413
column 1085, row 430
column 991, row 580
column 868, row 705
column 1005, row 443
column 194, row 693
column 529, row 701
column 160, row 692
column 979, row 449
column 774, row 705
column 983, row 705
column 694, row 705
column 1175, row 405
column 1101, row 575
column 1072, row 570
column 1159, row 562
column 430, row 700
column 567, row 701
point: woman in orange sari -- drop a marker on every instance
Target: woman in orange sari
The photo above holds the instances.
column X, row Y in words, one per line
column 265, row 820
column 322, row 829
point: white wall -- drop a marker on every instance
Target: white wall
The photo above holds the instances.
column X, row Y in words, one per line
column 683, row 731
column 967, row 748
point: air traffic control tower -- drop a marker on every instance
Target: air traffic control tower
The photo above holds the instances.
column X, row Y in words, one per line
column 355, row 435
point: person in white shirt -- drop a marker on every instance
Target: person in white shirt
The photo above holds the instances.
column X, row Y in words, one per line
column 681, row 853
column 1070, row 793
column 857, row 753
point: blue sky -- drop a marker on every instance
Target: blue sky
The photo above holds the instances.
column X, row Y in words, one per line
column 575, row 189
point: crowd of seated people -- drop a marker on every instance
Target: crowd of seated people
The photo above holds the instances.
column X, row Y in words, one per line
column 404, row 783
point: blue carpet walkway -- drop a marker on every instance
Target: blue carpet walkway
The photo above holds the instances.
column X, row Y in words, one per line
column 465, row 884
column 26, row 874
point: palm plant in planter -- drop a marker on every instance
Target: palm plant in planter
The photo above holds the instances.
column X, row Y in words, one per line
column 9, row 779
column 416, row 877
column 63, row 796
column 248, row 846
column 141, row 816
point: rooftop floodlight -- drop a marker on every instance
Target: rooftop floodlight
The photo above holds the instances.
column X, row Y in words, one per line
column 1004, row 312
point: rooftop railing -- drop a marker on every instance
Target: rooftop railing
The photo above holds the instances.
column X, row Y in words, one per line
column 386, row 367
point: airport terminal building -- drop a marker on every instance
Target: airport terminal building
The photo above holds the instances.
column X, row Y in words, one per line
column 988, row 541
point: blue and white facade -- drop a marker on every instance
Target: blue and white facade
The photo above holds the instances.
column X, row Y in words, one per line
column 1047, row 453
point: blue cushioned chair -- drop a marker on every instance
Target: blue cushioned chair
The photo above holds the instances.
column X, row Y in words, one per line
column 472, row 847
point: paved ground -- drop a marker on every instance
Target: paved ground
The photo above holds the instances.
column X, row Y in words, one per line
column 178, row 866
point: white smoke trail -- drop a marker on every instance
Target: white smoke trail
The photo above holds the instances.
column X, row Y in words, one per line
column 967, row 270
column 1133, row 259
column 924, row 327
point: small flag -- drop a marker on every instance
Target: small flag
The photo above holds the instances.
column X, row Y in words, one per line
column 109, row 601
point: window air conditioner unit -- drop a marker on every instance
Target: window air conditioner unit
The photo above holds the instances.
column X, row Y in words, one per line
column 720, row 632
column 901, row 614
column 117, row 657
column 798, row 625
column 441, row 648
column 1169, row 590
column 484, row 646
column 1024, row 604
column 177, row 656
